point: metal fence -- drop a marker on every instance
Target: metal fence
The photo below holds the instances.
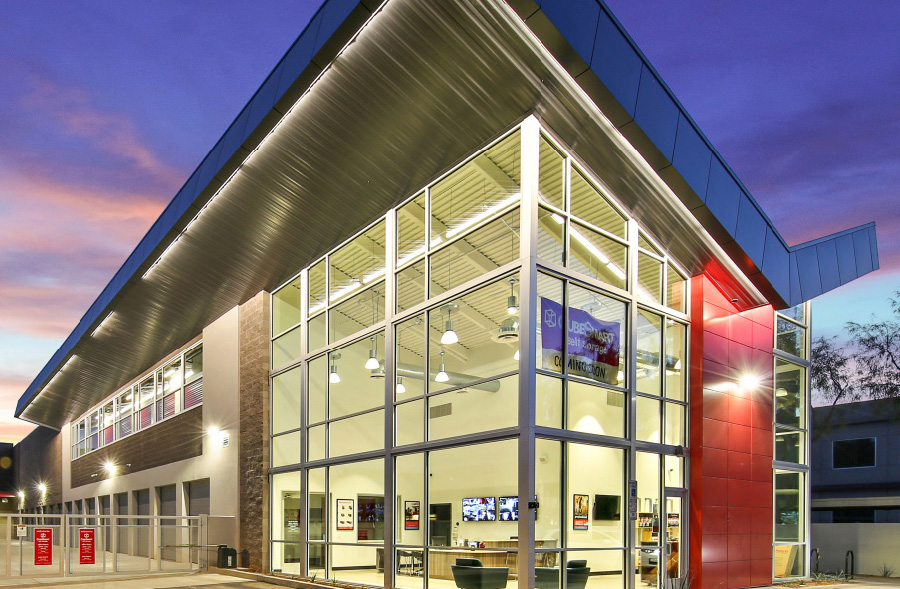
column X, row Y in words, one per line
column 48, row 545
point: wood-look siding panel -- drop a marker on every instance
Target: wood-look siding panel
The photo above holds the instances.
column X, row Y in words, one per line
column 178, row 438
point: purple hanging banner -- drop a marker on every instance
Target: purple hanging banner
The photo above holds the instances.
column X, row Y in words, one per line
column 593, row 350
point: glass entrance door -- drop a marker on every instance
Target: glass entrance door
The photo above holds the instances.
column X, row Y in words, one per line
column 659, row 532
column 675, row 572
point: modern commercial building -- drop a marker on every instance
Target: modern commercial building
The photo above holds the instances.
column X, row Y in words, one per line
column 463, row 279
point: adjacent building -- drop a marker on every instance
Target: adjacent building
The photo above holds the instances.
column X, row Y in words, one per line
column 463, row 279
column 855, row 484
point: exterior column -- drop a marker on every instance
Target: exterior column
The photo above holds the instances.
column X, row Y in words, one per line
column 253, row 492
column 731, row 440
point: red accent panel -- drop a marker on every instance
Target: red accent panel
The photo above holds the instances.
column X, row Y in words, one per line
column 715, row 548
column 715, row 574
column 738, row 574
column 715, row 405
column 738, row 546
column 716, row 433
column 739, row 438
column 741, row 329
column 731, row 441
column 739, row 410
column 739, row 466
column 761, row 468
column 761, row 570
column 762, row 442
column 715, row 520
column 715, row 463
column 761, row 546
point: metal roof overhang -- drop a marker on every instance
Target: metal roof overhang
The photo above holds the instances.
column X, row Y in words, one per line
column 419, row 85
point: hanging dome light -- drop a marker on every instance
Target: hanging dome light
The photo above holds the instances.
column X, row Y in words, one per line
column 372, row 363
column 401, row 388
column 449, row 336
column 508, row 332
column 442, row 375
column 334, row 377
column 516, row 355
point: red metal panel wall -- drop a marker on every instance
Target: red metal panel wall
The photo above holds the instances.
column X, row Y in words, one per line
column 731, row 441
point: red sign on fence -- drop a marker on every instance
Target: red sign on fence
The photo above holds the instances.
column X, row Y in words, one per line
column 86, row 545
column 43, row 546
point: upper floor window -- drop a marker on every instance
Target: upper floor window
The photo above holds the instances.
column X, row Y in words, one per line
column 162, row 393
column 858, row 453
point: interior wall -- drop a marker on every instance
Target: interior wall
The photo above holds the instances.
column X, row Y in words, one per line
column 731, row 441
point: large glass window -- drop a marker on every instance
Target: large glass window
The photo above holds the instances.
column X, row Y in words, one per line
column 163, row 393
column 437, row 331
column 790, row 524
column 791, row 410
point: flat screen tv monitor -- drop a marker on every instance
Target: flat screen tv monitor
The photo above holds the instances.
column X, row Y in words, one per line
column 479, row 509
column 508, row 509
column 607, row 507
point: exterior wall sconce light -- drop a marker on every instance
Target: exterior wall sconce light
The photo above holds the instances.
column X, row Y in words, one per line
column 749, row 382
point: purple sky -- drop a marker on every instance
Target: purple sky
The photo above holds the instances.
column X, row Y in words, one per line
column 109, row 106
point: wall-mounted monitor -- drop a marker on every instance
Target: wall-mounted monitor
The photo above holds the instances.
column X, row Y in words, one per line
column 508, row 509
column 607, row 507
column 479, row 509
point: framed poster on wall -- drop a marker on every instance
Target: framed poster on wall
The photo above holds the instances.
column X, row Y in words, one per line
column 580, row 508
column 345, row 514
column 411, row 515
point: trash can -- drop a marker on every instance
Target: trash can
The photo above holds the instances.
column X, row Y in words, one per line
column 227, row 557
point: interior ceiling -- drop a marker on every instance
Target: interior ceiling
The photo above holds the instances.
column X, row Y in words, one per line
column 424, row 83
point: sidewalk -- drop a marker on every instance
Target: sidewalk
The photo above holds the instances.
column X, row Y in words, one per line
column 217, row 581
column 858, row 582
column 206, row 580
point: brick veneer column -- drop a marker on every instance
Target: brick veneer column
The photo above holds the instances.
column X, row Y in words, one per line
column 731, row 441
column 254, row 442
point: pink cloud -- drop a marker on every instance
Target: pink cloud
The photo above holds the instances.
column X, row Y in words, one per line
column 11, row 429
column 113, row 133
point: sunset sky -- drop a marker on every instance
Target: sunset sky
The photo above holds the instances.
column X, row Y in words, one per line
column 108, row 107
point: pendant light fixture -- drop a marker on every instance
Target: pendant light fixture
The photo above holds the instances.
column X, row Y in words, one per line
column 512, row 303
column 449, row 336
column 372, row 363
column 334, row 377
column 516, row 355
column 442, row 375
column 401, row 388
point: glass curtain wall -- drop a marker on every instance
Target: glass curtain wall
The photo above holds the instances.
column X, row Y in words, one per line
column 791, row 441
column 401, row 386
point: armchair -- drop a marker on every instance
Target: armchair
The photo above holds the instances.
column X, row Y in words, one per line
column 577, row 573
column 469, row 573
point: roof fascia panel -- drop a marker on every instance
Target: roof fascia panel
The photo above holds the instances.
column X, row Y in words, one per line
column 628, row 89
